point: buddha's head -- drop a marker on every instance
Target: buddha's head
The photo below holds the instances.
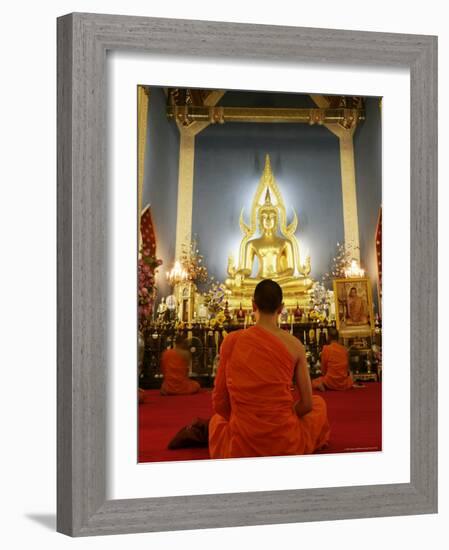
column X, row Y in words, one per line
column 268, row 220
column 268, row 215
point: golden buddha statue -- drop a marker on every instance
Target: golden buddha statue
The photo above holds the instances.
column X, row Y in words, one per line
column 276, row 249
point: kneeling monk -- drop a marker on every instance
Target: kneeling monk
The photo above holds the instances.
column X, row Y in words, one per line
column 334, row 367
column 175, row 368
column 255, row 411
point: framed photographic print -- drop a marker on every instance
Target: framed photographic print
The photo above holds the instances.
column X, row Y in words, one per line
column 274, row 156
column 213, row 179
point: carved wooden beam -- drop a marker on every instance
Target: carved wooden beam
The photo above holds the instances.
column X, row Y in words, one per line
column 187, row 114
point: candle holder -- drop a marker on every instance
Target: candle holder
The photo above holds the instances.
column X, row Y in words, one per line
column 177, row 274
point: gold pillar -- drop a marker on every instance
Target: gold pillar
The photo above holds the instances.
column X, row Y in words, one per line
column 349, row 192
column 186, row 174
column 348, row 180
column 185, row 190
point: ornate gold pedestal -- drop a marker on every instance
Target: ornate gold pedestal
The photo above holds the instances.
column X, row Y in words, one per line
column 291, row 300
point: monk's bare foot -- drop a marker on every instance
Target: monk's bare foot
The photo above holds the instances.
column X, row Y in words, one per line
column 320, row 387
column 357, row 385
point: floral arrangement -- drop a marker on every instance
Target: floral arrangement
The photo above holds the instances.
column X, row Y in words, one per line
column 341, row 262
column 220, row 318
column 193, row 262
column 214, row 297
column 147, row 269
column 320, row 302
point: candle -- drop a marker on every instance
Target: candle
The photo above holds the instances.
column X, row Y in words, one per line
column 216, row 340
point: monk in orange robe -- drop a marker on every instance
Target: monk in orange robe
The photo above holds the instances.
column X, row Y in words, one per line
column 175, row 368
column 255, row 412
column 334, row 367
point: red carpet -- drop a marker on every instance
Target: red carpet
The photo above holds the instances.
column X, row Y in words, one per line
column 354, row 415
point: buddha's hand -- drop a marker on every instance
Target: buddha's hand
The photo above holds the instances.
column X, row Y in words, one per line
column 287, row 272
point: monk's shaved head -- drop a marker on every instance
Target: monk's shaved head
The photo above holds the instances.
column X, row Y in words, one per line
column 268, row 296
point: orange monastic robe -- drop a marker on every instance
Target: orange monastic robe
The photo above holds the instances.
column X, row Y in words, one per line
column 253, row 401
column 335, row 368
column 175, row 369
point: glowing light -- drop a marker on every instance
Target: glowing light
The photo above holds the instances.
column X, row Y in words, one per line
column 177, row 274
column 354, row 270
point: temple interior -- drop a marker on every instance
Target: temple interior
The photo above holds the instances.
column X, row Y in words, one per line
column 236, row 187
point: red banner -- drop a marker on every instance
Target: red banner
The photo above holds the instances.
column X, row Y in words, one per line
column 147, row 231
column 379, row 258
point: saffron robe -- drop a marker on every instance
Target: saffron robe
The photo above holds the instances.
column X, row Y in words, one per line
column 175, row 369
column 335, row 368
column 253, row 401
column 357, row 311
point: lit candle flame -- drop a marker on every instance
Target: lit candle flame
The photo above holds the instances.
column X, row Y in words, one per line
column 177, row 274
column 354, row 270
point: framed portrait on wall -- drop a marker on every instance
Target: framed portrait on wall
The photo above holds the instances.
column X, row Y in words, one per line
column 354, row 305
column 155, row 163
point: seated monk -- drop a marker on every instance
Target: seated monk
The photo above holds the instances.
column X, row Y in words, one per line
column 334, row 367
column 175, row 368
column 255, row 413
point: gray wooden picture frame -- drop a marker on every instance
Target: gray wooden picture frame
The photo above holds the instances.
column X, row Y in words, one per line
column 83, row 40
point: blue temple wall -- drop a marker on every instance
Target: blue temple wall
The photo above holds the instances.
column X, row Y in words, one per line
column 160, row 187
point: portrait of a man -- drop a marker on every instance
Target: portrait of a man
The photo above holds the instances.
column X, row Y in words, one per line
column 354, row 303
column 357, row 309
